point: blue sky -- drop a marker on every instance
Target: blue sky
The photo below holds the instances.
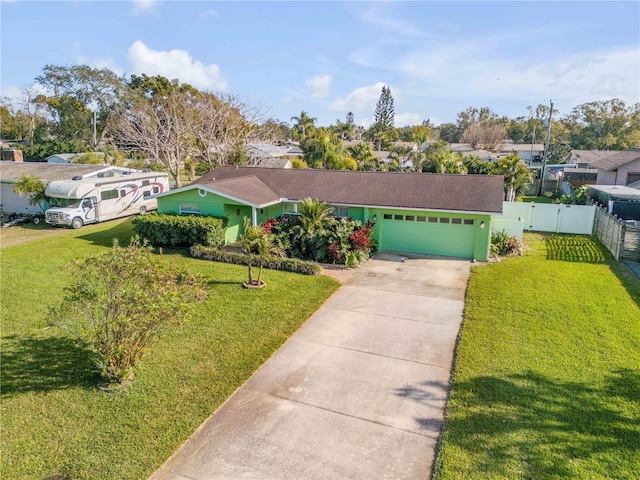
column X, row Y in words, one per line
column 329, row 58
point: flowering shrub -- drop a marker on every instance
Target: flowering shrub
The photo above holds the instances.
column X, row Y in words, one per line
column 329, row 240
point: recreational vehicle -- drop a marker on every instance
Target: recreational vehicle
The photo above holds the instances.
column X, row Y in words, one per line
column 110, row 195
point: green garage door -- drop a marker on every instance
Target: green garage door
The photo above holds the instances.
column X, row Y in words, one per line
column 429, row 235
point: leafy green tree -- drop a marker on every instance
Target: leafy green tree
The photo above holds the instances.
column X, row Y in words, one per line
column 475, row 166
column 118, row 302
column 364, row 156
column 323, row 150
column 76, row 91
column 33, row 188
column 516, row 176
column 305, row 125
column 437, row 158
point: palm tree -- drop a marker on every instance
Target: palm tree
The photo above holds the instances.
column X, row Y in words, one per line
column 304, row 124
column 256, row 241
column 314, row 214
column 33, row 188
column 516, row 175
column 363, row 154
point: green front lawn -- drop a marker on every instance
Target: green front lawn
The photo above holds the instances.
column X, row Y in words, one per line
column 546, row 379
column 53, row 418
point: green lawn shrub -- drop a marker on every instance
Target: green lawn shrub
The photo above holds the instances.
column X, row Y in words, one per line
column 180, row 230
column 274, row 263
column 503, row 245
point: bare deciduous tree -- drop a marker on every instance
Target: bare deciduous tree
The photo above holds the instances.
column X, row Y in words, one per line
column 487, row 137
column 161, row 128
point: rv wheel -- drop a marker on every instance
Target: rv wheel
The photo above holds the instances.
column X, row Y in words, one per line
column 36, row 220
column 76, row 223
column 143, row 210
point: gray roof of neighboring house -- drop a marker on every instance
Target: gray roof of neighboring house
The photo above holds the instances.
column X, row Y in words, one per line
column 482, row 154
column 520, row 147
column 12, row 171
column 472, row 193
column 273, row 163
column 605, row 159
column 618, row 191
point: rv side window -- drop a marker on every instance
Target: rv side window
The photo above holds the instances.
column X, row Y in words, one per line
column 108, row 195
column 146, row 193
column 156, row 190
column 123, row 193
column 145, row 183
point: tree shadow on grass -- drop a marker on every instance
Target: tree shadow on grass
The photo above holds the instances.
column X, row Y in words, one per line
column 123, row 231
column 543, row 427
column 31, row 364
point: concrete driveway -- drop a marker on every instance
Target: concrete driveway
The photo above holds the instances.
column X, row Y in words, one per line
column 357, row 393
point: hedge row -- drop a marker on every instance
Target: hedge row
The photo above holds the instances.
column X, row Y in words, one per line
column 275, row 263
column 180, row 230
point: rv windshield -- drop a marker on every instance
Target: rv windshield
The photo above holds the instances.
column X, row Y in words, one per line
column 64, row 202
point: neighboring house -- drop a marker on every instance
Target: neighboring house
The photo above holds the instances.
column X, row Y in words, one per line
column 447, row 215
column 614, row 167
column 62, row 157
column 10, row 172
column 620, row 200
column 484, row 155
column 526, row 151
column 273, row 156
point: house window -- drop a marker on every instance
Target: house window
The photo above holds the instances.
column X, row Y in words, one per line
column 341, row 212
column 433, row 219
column 290, row 209
column 189, row 209
column 109, row 194
column 422, row 219
column 398, row 217
column 457, row 221
column 145, row 183
column 468, row 221
column 444, row 220
column 410, row 218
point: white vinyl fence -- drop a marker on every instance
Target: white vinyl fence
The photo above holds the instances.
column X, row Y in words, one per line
column 544, row 217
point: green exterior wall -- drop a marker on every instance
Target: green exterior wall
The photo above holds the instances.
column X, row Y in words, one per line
column 412, row 236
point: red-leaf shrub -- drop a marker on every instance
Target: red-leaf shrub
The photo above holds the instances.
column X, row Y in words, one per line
column 360, row 240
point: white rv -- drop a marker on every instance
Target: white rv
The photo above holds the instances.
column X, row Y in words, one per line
column 110, row 195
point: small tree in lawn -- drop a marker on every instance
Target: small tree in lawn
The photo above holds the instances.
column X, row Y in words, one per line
column 256, row 241
column 119, row 302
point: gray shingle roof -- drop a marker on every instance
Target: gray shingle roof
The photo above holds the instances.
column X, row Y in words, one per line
column 473, row 193
column 12, row 171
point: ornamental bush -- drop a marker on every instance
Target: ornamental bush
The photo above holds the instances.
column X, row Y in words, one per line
column 504, row 245
column 180, row 230
column 326, row 240
column 274, row 263
column 119, row 301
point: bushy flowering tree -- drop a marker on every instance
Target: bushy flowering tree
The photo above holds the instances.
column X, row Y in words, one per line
column 118, row 302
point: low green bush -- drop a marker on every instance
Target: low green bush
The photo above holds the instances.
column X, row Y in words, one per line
column 504, row 245
column 274, row 263
column 180, row 230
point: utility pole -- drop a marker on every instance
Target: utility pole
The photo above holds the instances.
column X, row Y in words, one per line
column 546, row 150
column 533, row 140
column 94, row 130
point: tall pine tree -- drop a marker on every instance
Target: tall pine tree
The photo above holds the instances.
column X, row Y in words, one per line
column 383, row 132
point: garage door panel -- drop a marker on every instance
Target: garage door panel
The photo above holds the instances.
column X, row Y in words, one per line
column 428, row 237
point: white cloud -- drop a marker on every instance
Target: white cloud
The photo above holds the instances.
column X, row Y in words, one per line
column 143, row 6
column 362, row 99
column 212, row 12
column 319, row 87
column 99, row 63
column 175, row 64
column 407, row 119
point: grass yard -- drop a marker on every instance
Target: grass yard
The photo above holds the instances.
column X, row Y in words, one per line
column 546, row 380
column 54, row 420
